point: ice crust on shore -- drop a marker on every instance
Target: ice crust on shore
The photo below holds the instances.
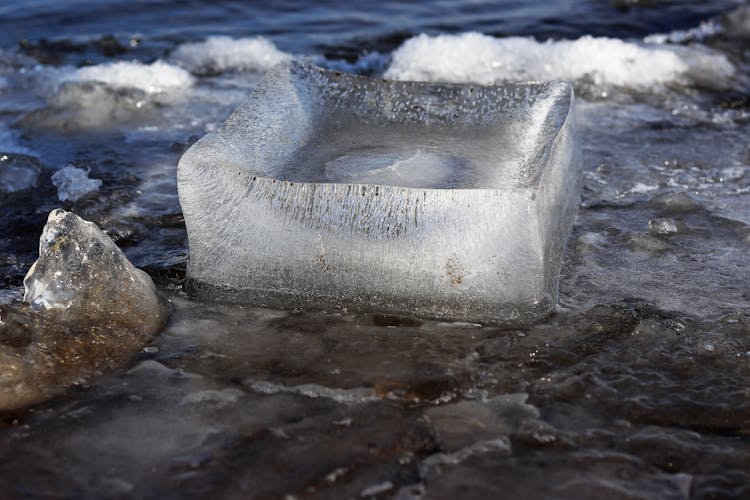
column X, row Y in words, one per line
column 474, row 57
column 223, row 53
column 268, row 222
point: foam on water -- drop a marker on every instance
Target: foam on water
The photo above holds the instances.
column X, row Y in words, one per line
column 483, row 59
column 156, row 77
column 223, row 53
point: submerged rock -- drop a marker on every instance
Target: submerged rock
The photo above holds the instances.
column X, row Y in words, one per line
column 88, row 309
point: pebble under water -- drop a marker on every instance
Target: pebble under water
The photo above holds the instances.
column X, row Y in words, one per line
column 638, row 386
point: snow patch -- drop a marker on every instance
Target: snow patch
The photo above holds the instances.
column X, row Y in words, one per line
column 153, row 78
column 223, row 53
column 483, row 59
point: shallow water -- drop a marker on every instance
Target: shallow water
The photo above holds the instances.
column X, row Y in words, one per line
column 638, row 386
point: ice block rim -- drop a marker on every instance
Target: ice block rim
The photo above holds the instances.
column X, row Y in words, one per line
column 559, row 100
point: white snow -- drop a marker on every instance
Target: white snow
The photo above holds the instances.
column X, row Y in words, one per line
column 156, row 77
column 223, row 53
column 483, row 59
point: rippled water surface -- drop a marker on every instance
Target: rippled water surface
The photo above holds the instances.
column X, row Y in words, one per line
column 638, row 386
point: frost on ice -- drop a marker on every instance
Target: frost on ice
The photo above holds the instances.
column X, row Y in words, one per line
column 328, row 189
column 89, row 310
column 102, row 97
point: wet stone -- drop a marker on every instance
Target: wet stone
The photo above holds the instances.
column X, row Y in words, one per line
column 88, row 311
column 81, row 277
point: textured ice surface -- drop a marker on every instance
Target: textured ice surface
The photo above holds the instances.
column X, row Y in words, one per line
column 73, row 183
column 328, row 189
column 81, row 277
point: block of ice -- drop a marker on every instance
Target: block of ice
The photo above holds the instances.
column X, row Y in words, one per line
column 82, row 278
column 437, row 200
column 73, row 183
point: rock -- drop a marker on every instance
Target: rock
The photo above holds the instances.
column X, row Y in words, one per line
column 82, row 278
column 88, row 310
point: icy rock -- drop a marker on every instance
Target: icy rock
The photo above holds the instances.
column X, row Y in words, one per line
column 81, row 278
column 78, row 106
column 88, row 311
column 73, row 183
column 435, row 200
column 18, row 172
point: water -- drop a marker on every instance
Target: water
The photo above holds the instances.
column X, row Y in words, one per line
column 392, row 156
column 636, row 386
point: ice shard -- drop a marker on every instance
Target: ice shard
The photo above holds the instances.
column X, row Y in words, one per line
column 334, row 190
column 82, row 278
column 87, row 311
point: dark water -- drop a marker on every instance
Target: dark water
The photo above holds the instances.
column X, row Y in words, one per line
column 637, row 387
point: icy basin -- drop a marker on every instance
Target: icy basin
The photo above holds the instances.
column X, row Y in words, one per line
column 333, row 190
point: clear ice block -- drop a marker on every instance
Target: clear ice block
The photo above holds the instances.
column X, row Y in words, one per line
column 334, row 190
